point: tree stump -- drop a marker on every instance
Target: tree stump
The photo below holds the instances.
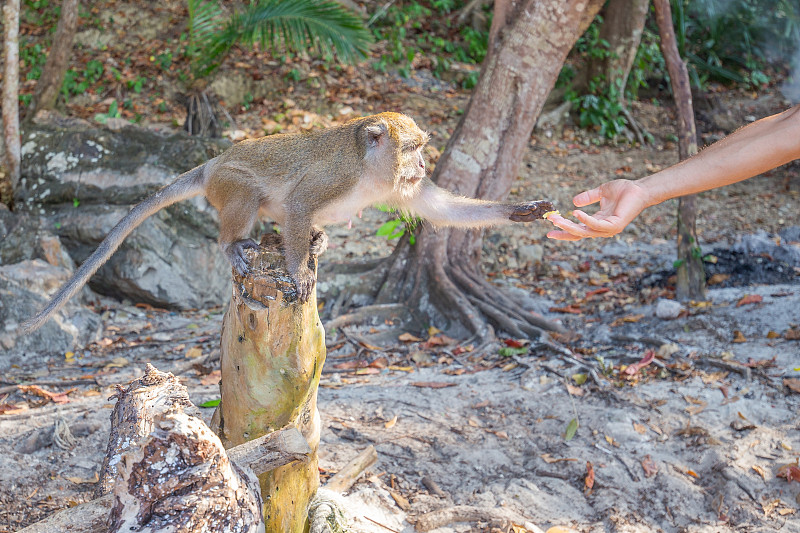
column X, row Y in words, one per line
column 272, row 352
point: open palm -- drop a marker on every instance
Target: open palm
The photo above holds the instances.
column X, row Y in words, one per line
column 620, row 202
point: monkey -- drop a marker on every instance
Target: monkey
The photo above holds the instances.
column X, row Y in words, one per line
column 304, row 181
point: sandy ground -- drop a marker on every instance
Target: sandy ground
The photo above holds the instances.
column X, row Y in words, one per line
column 693, row 442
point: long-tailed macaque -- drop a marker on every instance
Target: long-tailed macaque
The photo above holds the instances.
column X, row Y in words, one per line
column 304, row 181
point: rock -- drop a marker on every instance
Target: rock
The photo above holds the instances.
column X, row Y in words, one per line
column 762, row 243
column 168, row 261
column 25, row 287
column 82, row 179
column 530, row 254
column 668, row 309
column 791, row 234
column 22, row 237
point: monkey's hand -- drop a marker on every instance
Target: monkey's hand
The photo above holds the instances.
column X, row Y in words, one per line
column 305, row 281
column 531, row 211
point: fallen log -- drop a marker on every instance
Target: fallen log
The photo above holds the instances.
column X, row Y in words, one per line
column 182, row 453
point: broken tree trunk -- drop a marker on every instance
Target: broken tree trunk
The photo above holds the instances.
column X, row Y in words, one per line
column 691, row 284
column 272, row 352
column 198, row 482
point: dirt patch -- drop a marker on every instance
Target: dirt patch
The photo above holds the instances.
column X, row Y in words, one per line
column 692, row 441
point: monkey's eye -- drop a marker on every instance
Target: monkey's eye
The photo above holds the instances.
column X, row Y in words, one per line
column 411, row 148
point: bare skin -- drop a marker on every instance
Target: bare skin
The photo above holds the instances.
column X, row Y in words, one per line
column 756, row 148
column 303, row 182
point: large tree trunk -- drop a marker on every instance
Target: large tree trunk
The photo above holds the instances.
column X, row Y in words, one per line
column 440, row 275
column 9, row 169
column 622, row 28
column 49, row 84
column 691, row 284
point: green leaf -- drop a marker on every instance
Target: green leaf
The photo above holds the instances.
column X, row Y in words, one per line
column 579, row 379
column 508, row 351
column 210, row 403
column 572, row 428
column 387, row 228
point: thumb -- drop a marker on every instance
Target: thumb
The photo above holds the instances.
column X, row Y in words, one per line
column 587, row 197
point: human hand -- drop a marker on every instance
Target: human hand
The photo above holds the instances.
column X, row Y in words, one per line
column 620, row 202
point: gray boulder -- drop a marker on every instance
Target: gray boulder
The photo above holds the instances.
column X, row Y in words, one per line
column 24, row 288
column 81, row 180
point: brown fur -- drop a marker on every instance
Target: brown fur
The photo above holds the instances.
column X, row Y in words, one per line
column 304, row 181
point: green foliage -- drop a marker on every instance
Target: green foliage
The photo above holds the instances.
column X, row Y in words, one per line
column 113, row 112
column 509, row 351
column 416, row 29
column 322, row 26
column 34, row 56
column 601, row 107
column 399, row 226
column 40, row 13
column 733, row 41
column 76, row 83
column 648, row 64
column 137, row 84
column 164, row 59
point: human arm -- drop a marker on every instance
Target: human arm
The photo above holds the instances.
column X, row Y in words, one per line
column 756, row 148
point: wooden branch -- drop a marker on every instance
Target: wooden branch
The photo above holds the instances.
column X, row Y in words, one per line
column 348, row 475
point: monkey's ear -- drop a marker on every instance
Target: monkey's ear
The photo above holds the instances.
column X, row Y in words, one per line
column 375, row 134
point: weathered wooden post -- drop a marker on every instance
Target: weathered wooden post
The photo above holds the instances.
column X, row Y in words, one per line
column 272, row 352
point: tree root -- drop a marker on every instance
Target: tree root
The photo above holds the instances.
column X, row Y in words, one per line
column 447, row 294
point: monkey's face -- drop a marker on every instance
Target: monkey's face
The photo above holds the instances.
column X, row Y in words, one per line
column 410, row 140
column 394, row 147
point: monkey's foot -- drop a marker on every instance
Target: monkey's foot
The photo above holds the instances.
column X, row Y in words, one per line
column 319, row 242
column 531, row 211
column 236, row 256
column 304, row 280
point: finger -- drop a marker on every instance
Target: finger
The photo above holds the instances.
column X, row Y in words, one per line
column 578, row 230
column 587, row 197
column 596, row 224
column 562, row 236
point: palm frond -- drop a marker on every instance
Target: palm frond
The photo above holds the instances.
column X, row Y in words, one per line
column 324, row 26
column 204, row 25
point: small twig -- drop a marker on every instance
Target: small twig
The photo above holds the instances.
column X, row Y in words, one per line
column 381, row 12
column 348, row 475
column 634, row 125
column 13, row 388
column 381, row 525
column 729, row 365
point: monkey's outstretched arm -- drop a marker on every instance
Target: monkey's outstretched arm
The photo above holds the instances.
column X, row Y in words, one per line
column 186, row 186
column 443, row 208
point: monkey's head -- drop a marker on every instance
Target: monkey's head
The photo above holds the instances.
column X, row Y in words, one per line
column 394, row 145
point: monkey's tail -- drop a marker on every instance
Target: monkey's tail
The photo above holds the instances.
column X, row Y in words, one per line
column 189, row 184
